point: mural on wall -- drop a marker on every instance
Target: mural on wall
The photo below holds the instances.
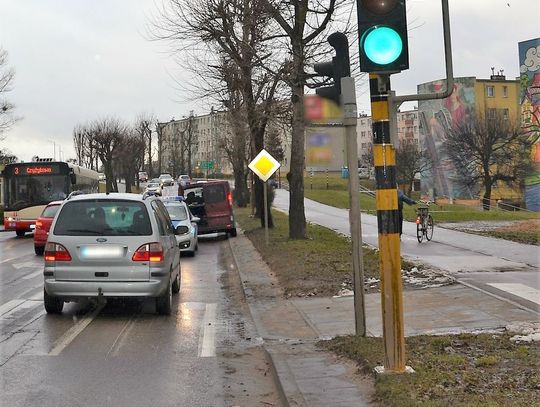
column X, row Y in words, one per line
column 529, row 61
column 436, row 118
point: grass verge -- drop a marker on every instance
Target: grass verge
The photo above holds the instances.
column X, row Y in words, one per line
column 319, row 265
column 452, row 370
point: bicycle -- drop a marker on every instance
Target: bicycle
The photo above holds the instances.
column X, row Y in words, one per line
column 424, row 222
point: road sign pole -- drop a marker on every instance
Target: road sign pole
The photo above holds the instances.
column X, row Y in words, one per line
column 388, row 223
column 265, row 212
column 350, row 121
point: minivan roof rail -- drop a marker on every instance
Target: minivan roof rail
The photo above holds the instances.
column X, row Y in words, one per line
column 75, row 193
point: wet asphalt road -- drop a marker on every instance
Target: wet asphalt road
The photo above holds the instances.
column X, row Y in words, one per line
column 123, row 353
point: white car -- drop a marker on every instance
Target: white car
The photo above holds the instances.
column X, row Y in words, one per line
column 184, row 180
column 166, row 180
column 181, row 216
column 154, row 187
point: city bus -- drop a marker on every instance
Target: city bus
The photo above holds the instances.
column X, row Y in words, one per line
column 30, row 186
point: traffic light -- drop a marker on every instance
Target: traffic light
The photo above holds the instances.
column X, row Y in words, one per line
column 382, row 34
column 337, row 69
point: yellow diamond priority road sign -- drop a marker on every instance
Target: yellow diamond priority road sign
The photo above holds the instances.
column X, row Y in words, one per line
column 264, row 165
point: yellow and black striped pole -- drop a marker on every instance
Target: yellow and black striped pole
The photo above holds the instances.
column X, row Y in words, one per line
column 388, row 224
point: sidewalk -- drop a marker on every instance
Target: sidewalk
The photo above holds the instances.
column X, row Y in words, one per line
column 290, row 328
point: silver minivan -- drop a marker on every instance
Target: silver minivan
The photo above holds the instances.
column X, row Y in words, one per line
column 111, row 245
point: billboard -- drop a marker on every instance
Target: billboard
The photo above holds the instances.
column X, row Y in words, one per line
column 529, row 63
column 435, row 118
column 325, row 148
column 318, row 110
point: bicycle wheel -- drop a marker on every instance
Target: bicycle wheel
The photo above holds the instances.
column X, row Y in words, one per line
column 429, row 228
column 419, row 231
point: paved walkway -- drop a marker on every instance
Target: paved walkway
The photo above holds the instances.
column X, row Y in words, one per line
column 290, row 328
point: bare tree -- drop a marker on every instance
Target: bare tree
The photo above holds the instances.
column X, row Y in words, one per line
column 84, row 149
column 159, row 132
column 108, row 136
column 236, row 34
column 485, row 150
column 6, row 157
column 302, row 22
column 410, row 161
column 189, row 145
column 7, row 76
column 143, row 128
column 132, row 152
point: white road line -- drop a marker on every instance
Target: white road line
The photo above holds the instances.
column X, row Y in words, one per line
column 68, row 337
column 23, row 305
column 208, row 344
column 10, row 305
column 36, row 297
column 520, row 290
column 26, row 264
column 32, row 275
column 11, row 258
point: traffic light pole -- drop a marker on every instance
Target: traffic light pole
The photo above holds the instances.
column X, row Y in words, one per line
column 388, row 223
column 348, row 100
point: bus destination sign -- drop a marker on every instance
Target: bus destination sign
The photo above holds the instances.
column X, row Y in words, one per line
column 36, row 170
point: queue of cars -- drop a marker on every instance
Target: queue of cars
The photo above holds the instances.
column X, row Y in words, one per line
column 126, row 245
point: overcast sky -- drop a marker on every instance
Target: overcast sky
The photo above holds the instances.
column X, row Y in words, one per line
column 79, row 60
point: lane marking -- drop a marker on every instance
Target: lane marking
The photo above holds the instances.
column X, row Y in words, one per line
column 208, row 344
column 8, row 306
column 11, row 258
column 69, row 336
column 34, row 274
column 27, row 264
column 519, row 290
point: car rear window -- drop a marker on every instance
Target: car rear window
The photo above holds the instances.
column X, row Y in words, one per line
column 176, row 211
column 103, row 218
column 50, row 211
column 214, row 194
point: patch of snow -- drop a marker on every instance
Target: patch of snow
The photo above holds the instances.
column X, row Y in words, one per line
column 527, row 331
column 345, row 292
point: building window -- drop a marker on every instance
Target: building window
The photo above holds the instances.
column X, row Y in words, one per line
column 492, row 113
column 363, row 134
column 505, row 91
column 490, row 91
column 505, row 114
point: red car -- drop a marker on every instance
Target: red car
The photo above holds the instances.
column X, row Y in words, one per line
column 43, row 224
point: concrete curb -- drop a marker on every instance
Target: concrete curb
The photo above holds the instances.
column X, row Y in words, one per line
column 271, row 357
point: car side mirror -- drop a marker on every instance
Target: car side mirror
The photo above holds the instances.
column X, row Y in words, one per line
column 181, row 230
column 195, row 219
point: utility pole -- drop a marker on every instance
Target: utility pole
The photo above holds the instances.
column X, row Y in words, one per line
column 343, row 93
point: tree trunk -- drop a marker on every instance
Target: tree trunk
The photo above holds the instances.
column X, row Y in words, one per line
column 487, row 194
column 297, row 217
column 240, row 187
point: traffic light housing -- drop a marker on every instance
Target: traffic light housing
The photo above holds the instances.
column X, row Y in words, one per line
column 337, row 69
column 382, row 34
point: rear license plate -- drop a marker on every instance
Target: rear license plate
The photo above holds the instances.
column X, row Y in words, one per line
column 102, row 252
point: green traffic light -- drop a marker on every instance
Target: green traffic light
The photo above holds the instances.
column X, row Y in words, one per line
column 383, row 45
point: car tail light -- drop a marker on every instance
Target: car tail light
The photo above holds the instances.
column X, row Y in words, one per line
column 39, row 224
column 229, row 198
column 56, row 252
column 152, row 252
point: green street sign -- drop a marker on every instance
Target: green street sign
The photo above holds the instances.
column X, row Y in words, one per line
column 207, row 165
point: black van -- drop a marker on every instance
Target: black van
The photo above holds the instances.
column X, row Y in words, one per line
column 212, row 202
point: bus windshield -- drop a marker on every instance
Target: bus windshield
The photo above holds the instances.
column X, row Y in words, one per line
column 26, row 191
